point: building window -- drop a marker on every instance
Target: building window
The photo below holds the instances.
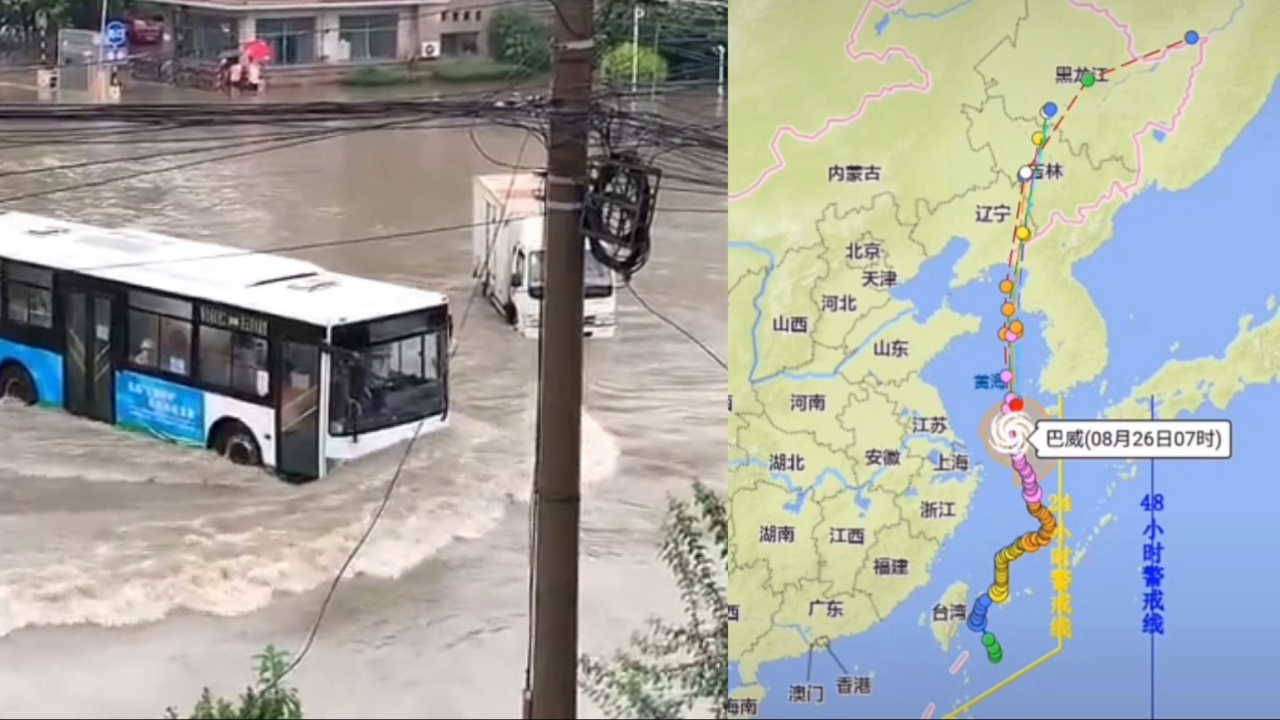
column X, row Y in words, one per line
column 293, row 40
column 234, row 360
column 208, row 36
column 478, row 15
column 466, row 16
column 369, row 37
column 444, row 17
column 455, row 16
column 160, row 333
column 28, row 293
column 459, row 44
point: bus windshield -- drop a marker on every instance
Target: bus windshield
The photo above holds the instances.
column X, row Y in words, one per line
column 596, row 278
column 379, row 383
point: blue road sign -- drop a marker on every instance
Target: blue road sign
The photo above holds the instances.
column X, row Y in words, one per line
column 115, row 34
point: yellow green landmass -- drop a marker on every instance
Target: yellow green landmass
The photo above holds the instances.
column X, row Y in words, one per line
column 776, row 583
column 989, row 67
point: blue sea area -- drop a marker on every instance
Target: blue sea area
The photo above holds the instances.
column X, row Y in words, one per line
column 1181, row 270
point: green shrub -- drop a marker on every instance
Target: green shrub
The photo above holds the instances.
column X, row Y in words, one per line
column 520, row 40
column 650, row 66
column 266, row 699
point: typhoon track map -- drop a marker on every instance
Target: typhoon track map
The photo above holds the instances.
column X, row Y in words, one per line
column 1012, row 425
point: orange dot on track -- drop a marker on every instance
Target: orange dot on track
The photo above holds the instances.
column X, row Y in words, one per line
column 1003, row 334
column 1016, row 405
column 1008, row 309
column 1015, row 327
column 1006, row 286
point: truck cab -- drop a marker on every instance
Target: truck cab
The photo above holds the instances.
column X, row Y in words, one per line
column 509, row 258
column 527, row 289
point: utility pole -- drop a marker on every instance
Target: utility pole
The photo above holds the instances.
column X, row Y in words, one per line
column 98, row 74
column 637, row 14
column 42, row 25
column 720, row 51
column 557, row 490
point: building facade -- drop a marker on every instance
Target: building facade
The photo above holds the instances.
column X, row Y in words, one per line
column 464, row 28
column 308, row 33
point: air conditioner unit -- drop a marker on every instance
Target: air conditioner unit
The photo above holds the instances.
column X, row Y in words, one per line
column 430, row 50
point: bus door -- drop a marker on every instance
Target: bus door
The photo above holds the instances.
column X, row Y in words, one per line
column 298, row 417
column 87, row 363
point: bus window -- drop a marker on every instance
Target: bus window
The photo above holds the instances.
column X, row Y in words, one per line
column 160, row 332
column 175, row 345
column 237, row 361
column 381, row 383
column 160, row 342
column 29, row 295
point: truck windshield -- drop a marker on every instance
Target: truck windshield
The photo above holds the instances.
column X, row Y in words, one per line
column 378, row 383
column 597, row 279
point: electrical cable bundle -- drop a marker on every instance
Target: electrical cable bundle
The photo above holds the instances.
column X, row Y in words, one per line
column 617, row 214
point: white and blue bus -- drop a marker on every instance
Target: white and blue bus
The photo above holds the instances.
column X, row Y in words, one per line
column 265, row 359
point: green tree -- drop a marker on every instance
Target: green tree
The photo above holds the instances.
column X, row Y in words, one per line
column 521, row 40
column 22, row 13
column 87, row 14
column 650, row 66
column 686, row 34
column 59, row 13
column 266, row 699
column 673, row 668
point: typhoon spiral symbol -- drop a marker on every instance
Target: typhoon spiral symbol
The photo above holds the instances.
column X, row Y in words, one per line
column 1010, row 431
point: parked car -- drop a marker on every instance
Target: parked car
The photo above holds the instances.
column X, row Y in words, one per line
column 145, row 31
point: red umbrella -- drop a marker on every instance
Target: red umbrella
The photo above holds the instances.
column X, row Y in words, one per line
column 258, row 51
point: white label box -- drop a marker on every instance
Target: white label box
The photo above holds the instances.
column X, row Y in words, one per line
column 1132, row 439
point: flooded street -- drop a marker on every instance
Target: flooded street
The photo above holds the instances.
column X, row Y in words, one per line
column 134, row 572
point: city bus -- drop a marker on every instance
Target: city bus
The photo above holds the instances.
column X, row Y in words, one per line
column 265, row 359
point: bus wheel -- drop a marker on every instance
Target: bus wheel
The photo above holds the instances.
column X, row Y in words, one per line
column 16, row 385
column 236, row 444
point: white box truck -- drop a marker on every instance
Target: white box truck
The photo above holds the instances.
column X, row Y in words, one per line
column 508, row 257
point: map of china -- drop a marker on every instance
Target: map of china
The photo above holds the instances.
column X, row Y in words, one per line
column 864, row 141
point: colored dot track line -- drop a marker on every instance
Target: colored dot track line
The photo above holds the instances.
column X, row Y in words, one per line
column 1011, row 331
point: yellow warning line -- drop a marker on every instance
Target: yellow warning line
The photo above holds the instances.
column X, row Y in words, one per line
column 1058, row 602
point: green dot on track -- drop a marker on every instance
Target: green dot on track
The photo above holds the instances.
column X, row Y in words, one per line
column 988, row 639
column 1088, row 80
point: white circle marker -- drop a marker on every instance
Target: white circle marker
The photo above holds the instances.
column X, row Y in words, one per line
column 1025, row 172
column 1009, row 432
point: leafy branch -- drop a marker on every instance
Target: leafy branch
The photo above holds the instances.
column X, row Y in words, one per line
column 266, row 699
column 673, row 668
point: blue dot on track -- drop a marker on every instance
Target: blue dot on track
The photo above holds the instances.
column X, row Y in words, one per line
column 1192, row 37
column 1049, row 109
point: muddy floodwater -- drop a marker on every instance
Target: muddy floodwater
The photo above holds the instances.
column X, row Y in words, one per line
column 133, row 572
